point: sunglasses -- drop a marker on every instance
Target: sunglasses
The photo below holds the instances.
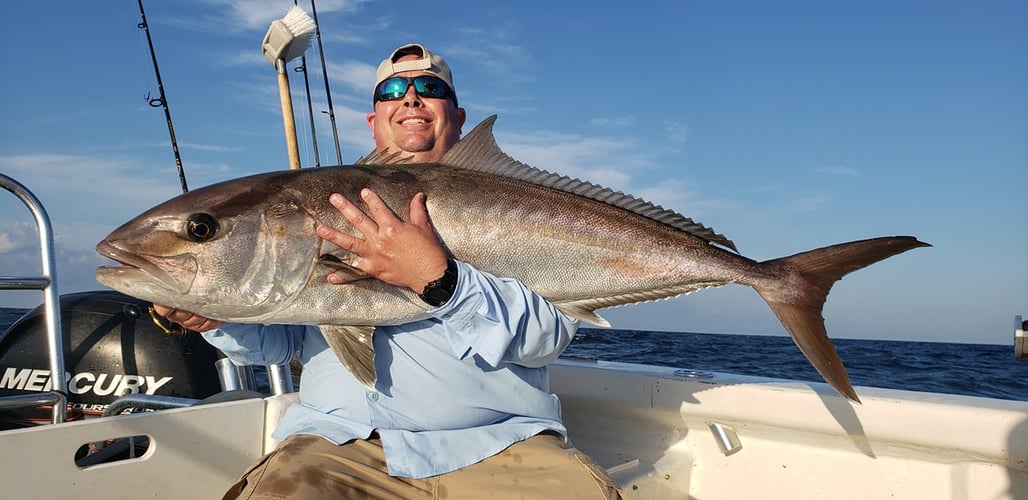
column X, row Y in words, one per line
column 396, row 87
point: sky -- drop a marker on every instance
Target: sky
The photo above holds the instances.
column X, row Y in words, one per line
column 785, row 126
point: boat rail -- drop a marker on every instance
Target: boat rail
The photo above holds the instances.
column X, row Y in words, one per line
column 47, row 283
column 231, row 377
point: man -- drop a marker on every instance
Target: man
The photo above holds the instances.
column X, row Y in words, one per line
column 461, row 407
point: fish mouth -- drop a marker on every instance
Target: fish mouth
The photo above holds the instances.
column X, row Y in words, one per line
column 132, row 266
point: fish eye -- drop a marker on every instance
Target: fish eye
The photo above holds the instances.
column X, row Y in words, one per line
column 201, row 227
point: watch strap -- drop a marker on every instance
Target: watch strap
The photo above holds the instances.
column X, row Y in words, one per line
column 438, row 292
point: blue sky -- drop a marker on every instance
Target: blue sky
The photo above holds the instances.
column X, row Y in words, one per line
column 784, row 125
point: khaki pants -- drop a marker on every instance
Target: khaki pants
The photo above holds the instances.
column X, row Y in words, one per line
column 309, row 467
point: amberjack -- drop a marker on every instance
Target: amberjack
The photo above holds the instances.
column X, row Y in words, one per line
column 246, row 250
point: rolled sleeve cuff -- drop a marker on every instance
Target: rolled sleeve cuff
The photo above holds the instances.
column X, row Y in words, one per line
column 486, row 314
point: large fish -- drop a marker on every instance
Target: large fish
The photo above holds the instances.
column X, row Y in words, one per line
column 246, row 250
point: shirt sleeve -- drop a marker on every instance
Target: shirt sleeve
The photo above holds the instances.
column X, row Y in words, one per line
column 500, row 319
column 247, row 344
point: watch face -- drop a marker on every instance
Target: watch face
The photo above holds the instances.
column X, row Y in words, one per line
column 438, row 292
column 438, row 296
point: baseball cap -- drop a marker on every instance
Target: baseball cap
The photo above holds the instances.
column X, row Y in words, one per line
column 428, row 62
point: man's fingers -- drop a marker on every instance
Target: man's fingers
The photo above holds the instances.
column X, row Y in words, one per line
column 419, row 211
column 339, row 238
column 379, row 211
column 187, row 319
column 162, row 310
column 396, row 252
column 353, row 214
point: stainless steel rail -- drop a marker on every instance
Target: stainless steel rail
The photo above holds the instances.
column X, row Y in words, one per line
column 58, row 395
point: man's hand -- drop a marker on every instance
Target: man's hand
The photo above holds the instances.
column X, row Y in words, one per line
column 407, row 254
column 187, row 319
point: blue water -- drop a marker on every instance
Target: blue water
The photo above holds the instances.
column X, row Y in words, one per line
column 969, row 369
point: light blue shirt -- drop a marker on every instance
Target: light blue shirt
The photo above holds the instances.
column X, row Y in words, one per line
column 451, row 390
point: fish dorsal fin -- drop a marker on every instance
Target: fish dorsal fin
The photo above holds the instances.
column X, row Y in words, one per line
column 478, row 151
column 384, row 157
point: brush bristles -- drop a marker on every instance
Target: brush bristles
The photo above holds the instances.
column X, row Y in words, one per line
column 299, row 23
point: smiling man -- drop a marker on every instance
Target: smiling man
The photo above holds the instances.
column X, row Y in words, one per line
column 461, row 408
column 418, row 122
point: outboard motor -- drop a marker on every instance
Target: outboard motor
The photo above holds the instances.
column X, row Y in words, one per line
column 112, row 347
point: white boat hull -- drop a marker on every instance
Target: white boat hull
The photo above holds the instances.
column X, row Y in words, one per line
column 650, row 426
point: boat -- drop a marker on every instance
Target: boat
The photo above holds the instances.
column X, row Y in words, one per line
column 149, row 412
column 661, row 432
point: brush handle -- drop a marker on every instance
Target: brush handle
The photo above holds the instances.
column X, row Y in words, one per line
column 287, row 115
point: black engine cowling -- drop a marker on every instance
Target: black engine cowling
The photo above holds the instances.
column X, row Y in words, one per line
column 112, row 347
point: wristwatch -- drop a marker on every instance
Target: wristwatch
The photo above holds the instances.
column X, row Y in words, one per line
column 439, row 291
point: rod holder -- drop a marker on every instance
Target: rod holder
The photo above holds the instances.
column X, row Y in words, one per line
column 726, row 438
column 233, row 377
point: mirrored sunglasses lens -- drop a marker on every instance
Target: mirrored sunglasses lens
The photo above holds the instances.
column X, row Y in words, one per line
column 393, row 88
column 430, row 86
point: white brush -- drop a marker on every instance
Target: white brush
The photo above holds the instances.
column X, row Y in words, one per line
column 289, row 37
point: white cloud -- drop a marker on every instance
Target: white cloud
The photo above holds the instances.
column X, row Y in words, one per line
column 838, row 170
column 85, row 199
column 673, row 194
column 676, row 132
column 602, row 161
column 358, row 77
column 621, row 163
column 6, row 245
column 613, row 121
column 245, row 58
column 811, row 203
column 78, row 176
column 19, row 246
column 258, row 14
column 208, row 147
column 504, row 62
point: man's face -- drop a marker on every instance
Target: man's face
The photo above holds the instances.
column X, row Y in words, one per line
column 425, row 127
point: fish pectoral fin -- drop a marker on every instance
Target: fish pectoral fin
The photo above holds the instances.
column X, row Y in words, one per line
column 582, row 311
column 342, row 269
column 353, row 347
column 340, row 261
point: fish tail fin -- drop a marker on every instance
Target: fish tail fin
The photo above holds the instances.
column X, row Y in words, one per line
column 798, row 297
column 353, row 346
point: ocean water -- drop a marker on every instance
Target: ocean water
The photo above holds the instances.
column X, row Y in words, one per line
column 969, row 369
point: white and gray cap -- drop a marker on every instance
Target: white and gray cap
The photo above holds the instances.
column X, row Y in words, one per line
column 427, row 62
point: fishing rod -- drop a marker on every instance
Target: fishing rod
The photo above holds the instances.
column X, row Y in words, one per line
column 302, row 68
column 162, row 101
column 328, row 93
column 310, row 106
